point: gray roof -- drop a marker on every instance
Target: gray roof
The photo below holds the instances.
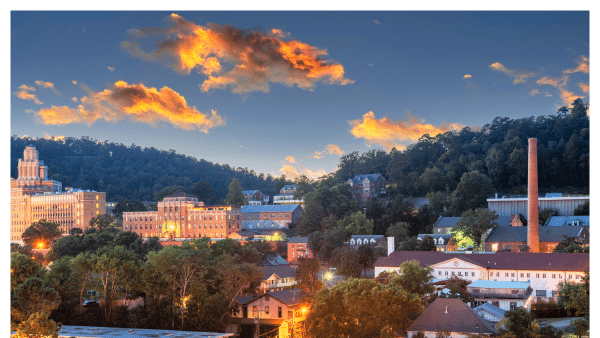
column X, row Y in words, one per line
column 452, row 314
column 446, row 237
column 519, row 234
column 370, row 177
column 498, row 284
column 493, row 309
column 288, row 296
column 270, row 208
column 298, row 240
column 117, row 332
column 261, row 225
column 375, row 237
column 289, row 187
column 567, row 220
column 282, row 271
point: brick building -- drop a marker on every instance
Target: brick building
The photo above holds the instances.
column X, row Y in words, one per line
column 183, row 216
column 281, row 214
column 298, row 247
column 511, row 238
column 255, row 197
column 34, row 197
column 366, row 186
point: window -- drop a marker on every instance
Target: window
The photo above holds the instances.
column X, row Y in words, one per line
column 279, row 312
column 522, row 275
column 439, row 273
column 446, row 273
column 254, row 311
column 513, row 306
column 496, row 303
column 554, row 276
column 540, row 293
column 497, row 274
column 537, row 275
column 266, row 310
column 543, row 275
column 506, row 274
column 472, row 274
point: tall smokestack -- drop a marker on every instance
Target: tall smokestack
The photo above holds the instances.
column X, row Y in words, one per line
column 533, row 227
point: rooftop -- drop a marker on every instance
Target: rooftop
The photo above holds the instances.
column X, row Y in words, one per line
column 498, row 284
column 270, row 208
column 68, row 331
column 452, row 314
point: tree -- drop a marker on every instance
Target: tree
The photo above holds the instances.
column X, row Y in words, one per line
column 570, row 245
column 166, row 191
column 545, row 214
column 307, row 275
column 581, row 326
column 40, row 234
column 125, row 205
column 399, row 231
column 21, row 269
column 471, row 192
column 575, row 296
column 458, row 289
column 346, row 261
column 518, row 323
column 357, row 224
column 361, row 308
column 366, row 256
column 303, row 187
column 235, row 195
column 38, row 325
column 203, row 190
column 474, row 224
column 427, row 244
column 103, row 222
column 550, row 331
column 413, row 278
column 582, row 209
column 30, row 297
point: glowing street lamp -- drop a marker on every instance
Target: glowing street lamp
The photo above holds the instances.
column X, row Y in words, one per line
column 40, row 245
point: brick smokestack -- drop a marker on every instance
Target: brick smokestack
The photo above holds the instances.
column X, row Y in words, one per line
column 533, row 229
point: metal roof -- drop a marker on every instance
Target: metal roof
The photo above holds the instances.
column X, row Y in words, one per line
column 270, row 208
column 567, row 220
column 298, row 240
column 498, row 284
column 493, row 309
column 78, row 331
column 519, row 234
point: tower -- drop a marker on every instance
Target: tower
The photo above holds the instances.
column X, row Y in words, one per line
column 533, row 227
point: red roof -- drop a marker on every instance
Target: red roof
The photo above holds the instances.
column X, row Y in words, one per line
column 499, row 260
column 452, row 314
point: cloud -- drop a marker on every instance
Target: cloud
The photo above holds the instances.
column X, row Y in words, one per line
column 585, row 87
column 390, row 134
column 136, row 102
column 291, row 159
column 24, row 94
column 74, row 82
column 519, row 76
column 48, row 85
column 329, row 149
column 246, row 61
column 292, row 173
column 376, row 22
column 112, row 69
column 74, row 99
column 561, row 84
column 467, row 76
column 583, row 66
column 56, row 138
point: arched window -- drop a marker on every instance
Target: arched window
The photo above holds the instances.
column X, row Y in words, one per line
column 441, row 241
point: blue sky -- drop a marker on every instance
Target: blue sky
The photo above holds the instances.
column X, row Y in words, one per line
column 240, row 95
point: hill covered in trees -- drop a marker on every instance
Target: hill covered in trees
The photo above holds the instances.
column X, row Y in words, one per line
column 433, row 164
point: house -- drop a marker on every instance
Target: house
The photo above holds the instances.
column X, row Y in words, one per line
column 512, row 238
column 450, row 314
column 503, row 294
column 278, row 277
column 366, row 186
column 265, row 224
column 358, row 240
column 269, row 311
column 283, row 215
column 444, row 224
column 544, row 271
column 490, row 312
column 568, row 221
column 286, row 195
column 443, row 242
column 255, row 197
column 298, row 247
column 565, row 205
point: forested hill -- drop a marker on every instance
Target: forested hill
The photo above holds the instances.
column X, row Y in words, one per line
column 131, row 171
column 498, row 150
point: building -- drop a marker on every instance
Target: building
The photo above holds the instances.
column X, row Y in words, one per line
column 34, row 197
column 265, row 224
column 110, row 206
column 358, row 240
column 278, row 277
column 443, row 242
column 568, row 221
column 565, row 205
column 502, row 294
column 513, row 238
column 444, row 224
column 269, row 311
column 76, row 331
column 286, row 195
column 284, row 215
column 182, row 216
column 544, row 271
column 367, row 186
column 298, row 247
column 450, row 314
column 255, row 197
column 490, row 312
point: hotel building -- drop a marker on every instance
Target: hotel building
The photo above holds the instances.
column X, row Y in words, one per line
column 34, row 197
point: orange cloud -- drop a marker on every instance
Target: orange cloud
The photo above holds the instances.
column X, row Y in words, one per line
column 390, row 134
column 519, row 76
column 136, row 102
column 112, row 69
column 585, row 87
column 47, row 85
column 56, row 138
column 291, row 159
column 246, row 61
column 329, row 149
column 292, row 173
column 467, row 76
column 24, row 94
column 561, row 84
column 74, row 99
column 583, row 66
column 534, row 92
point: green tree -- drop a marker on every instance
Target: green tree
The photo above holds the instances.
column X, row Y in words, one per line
column 125, row 205
column 307, row 275
column 545, row 214
column 582, row 209
column 235, row 195
column 399, row 231
column 367, row 255
column 166, row 191
column 427, row 244
column 575, row 296
column 38, row 325
column 413, row 278
column 346, row 261
column 41, row 234
column 203, row 190
column 581, row 326
column 471, row 193
column 304, row 186
column 30, row 297
column 550, row 331
column 21, row 269
column 518, row 323
column 103, row 222
column 361, row 308
column 474, row 224
column 357, row 224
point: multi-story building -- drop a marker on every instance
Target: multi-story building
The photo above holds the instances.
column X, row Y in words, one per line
column 514, row 238
column 367, row 186
column 34, row 197
column 183, row 216
column 255, row 197
column 505, row 295
column 297, row 247
column 281, row 214
column 565, row 205
column 286, row 195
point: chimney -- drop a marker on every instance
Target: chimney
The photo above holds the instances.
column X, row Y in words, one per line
column 533, row 230
column 390, row 245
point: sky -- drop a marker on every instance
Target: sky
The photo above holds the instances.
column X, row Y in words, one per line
column 288, row 92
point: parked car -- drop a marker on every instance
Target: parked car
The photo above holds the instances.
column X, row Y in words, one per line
column 91, row 303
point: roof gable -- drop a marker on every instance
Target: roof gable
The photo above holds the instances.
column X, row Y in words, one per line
column 457, row 262
column 452, row 314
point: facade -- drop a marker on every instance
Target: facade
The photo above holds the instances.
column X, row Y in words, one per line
column 278, row 277
column 298, row 247
column 508, row 206
column 512, row 238
column 358, row 240
column 544, row 271
column 255, row 197
column 443, row 242
column 183, row 216
column 34, row 197
column 444, row 224
column 504, row 295
column 284, row 215
column 367, row 186
column 450, row 314
column 286, row 196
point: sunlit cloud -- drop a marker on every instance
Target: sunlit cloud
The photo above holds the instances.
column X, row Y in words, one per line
column 74, row 82
column 112, row 69
column 329, row 149
column 585, row 87
column 135, row 102
column 560, row 83
column 55, row 138
column 291, row 159
column 519, row 76
column 74, row 99
column 24, row 93
column 293, row 170
column 48, row 85
column 534, row 92
column 389, row 134
column 467, row 76
column 246, row 61
column 583, row 66
column 376, row 22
